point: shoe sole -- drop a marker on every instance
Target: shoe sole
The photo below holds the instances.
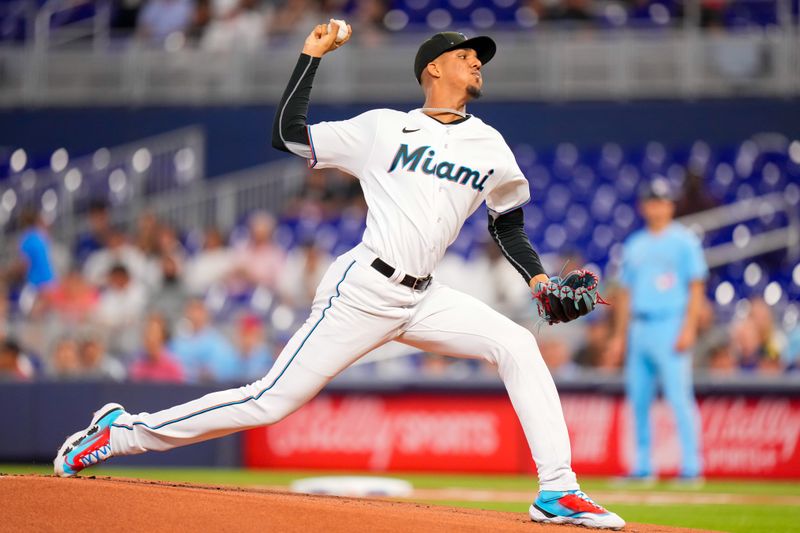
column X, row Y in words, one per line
column 78, row 437
column 537, row 516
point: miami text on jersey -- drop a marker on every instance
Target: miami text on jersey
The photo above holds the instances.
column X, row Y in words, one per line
column 444, row 170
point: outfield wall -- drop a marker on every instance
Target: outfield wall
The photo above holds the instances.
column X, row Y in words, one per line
column 747, row 431
column 743, row 437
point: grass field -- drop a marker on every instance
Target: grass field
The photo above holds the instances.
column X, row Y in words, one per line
column 734, row 506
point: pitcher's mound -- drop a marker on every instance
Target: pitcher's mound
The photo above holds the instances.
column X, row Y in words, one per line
column 38, row 503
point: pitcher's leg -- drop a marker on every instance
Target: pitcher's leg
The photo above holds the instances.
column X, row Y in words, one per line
column 451, row 323
column 337, row 333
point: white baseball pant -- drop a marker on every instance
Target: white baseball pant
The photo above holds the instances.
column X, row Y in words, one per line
column 355, row 310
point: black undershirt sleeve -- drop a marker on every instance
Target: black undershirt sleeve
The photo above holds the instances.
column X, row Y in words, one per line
column 289, row 132
column 508, row 231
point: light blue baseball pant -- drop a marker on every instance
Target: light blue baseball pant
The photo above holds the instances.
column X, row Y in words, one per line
column 652, row 360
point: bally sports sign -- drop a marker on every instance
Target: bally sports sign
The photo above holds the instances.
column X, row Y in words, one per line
column 742, row 437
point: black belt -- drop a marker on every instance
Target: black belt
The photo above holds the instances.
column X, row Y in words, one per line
column 418, row 284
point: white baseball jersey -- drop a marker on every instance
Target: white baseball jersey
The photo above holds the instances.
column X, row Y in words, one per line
column 421, row 179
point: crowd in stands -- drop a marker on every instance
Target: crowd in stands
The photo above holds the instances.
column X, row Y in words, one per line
column 153, row 303
column 246, row 24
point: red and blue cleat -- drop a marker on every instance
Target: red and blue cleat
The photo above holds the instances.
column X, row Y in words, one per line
column 572, row 507
column 90, row 446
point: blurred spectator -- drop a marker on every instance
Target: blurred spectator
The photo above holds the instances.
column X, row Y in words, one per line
column 97, row 363
column 204, row 352
column 118, row 252
column 4, row 309
column 170, row 299
column 557, row 356
column 156, row 362
column 35, row 249
column 302, row 273
column 122, row 305
column 791, row 355
column 572, row 10
column 210, row 265
column 712, row 13
column 97, row 234
column 72, row 299
column 259, row 261
column 460, row 273
column 710, row 336
column 315, row 199
column 146, row 238
column 65, row 360
column 694, row 197
column 234, row 25
column 443, row 367
column 167, row 246
column 294, row 15
column 14, row 366
column 368, row 17
column 721, row 361
column 126, row 14
column 255, row 357
column 756, row 341
column 510, row 298
column 168, row 242
column 160, row 19
column 591, row 353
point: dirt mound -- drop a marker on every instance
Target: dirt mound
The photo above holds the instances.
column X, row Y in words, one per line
column 38, row 503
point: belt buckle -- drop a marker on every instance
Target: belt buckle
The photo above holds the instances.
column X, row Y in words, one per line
column 422, row 282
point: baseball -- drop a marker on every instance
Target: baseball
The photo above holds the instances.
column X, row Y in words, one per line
column 342, row 35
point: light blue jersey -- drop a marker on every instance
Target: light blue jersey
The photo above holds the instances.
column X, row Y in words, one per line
column 657, row 270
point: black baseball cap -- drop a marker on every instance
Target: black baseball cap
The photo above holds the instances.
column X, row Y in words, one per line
column 657, row 189
column 451, row 40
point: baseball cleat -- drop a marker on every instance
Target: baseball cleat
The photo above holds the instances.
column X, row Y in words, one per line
column 572, row 507
column 89, row 446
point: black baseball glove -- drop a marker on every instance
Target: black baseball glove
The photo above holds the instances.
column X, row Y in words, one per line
column 565, row 299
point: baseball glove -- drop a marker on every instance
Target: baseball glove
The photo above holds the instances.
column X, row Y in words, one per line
column 565, row 299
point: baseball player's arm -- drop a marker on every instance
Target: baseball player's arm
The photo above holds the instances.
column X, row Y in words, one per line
column 688, row 333
column 622, row 313
column 289, row 127
column 694, row 261
column 508, row 231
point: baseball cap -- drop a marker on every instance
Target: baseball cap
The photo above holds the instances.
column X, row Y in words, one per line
column 451, row 40
column 656, row 189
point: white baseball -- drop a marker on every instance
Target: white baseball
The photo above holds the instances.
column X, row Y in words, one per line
column 342, row 35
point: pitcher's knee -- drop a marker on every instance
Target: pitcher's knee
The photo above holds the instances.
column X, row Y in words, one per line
column 516, row 341
column 272, row 414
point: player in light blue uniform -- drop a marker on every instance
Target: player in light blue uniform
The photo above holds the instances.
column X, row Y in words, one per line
column 662, row 287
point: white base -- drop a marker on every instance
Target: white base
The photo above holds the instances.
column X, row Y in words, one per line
column 354, row 486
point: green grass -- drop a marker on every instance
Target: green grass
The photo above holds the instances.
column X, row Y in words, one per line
column 746, row 518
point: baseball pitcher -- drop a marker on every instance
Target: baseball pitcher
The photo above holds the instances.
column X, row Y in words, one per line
column 423, row 174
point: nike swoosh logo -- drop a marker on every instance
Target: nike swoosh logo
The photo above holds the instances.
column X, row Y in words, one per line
column 410, row 131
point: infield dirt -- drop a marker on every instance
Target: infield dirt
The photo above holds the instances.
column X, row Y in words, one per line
column 41, row 503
